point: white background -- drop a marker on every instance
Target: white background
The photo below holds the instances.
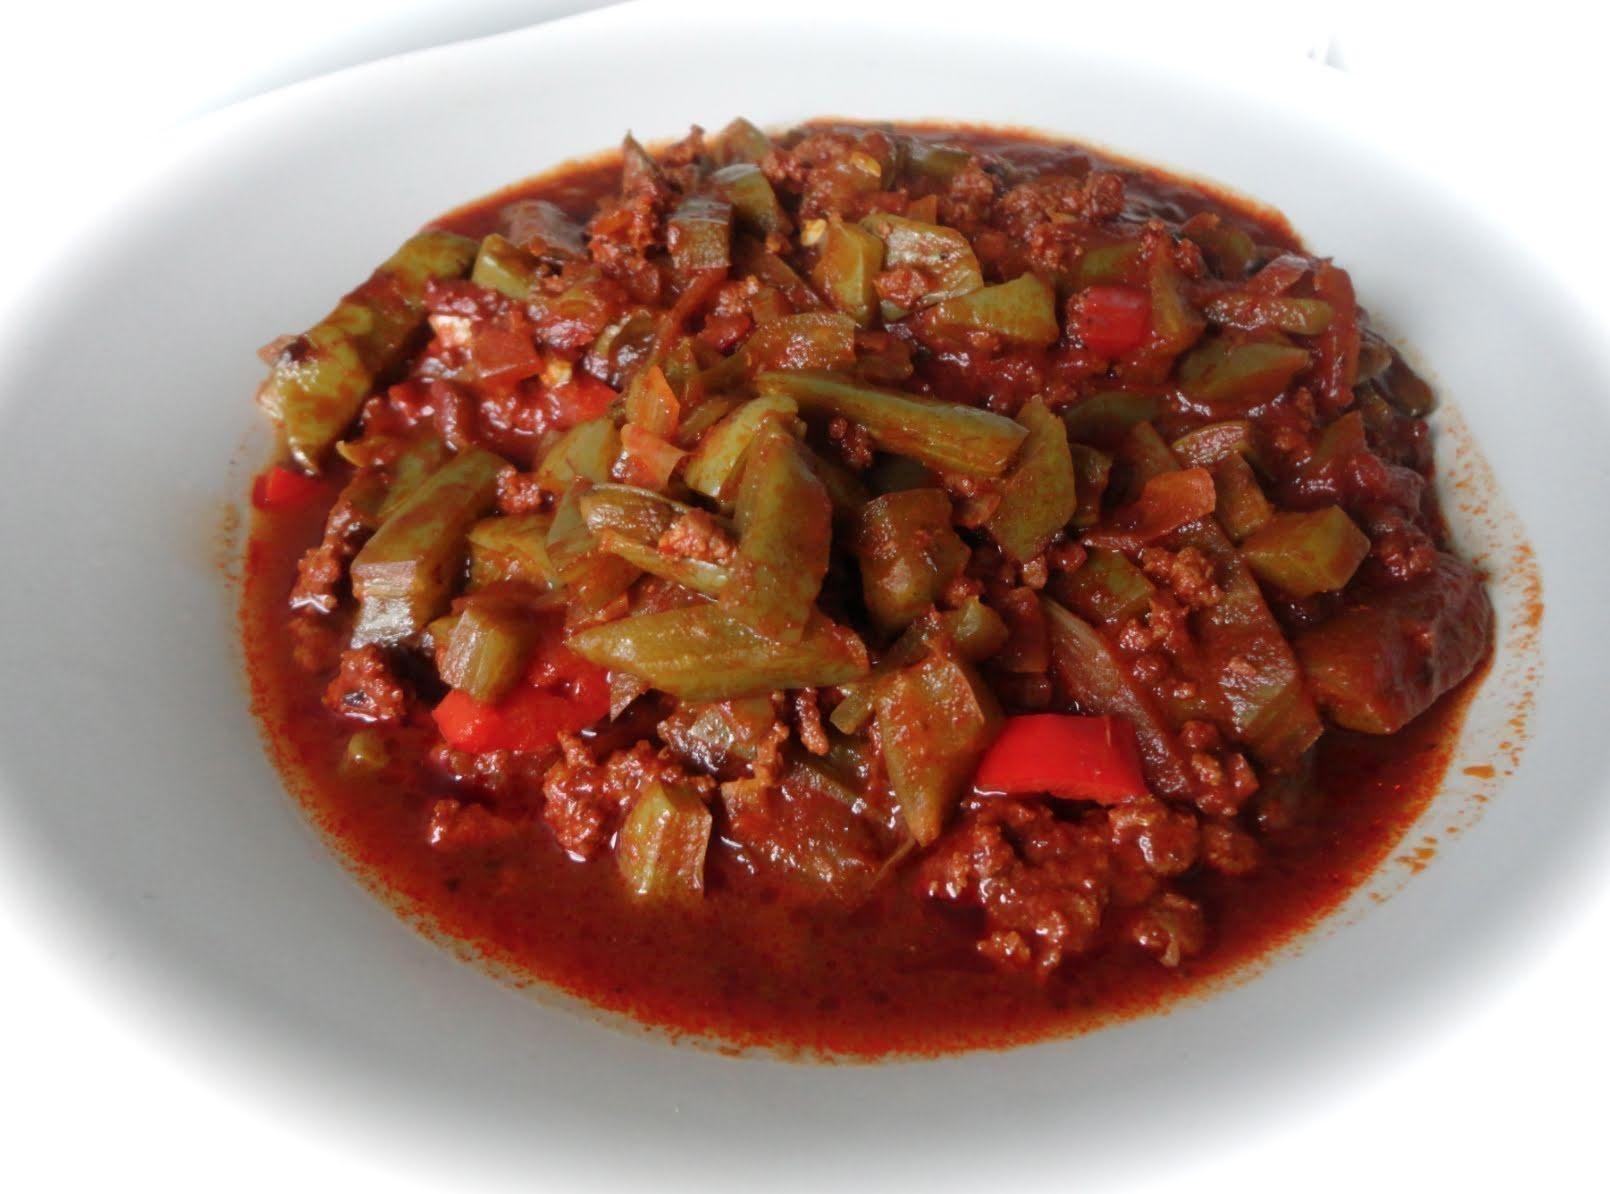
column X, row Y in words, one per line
column 1511, row 1096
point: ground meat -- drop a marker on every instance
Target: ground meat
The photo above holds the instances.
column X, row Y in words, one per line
column 852, row 441
column 679, row 155
column 697, row 536
column 904, row 286
column 320, row 571
column 366, row 688
column 1034, row 573
column 1050, row 218
column 969, row 197
column 1150, row 834
column 1171, row 927
column 808, row 721
column 584, row 799
column 847, row 183
column 958, row 591
column 628, row 229
column 724, row 331
column 1399, row 550
column 519, row 493
column 316, row 644
column 1066, row 557
column 1187, row 574
column 1042, row 883
column 1200, row 735
column 1228, row 849
column 1224, row 781
column 458, row 826
column 1164, row 628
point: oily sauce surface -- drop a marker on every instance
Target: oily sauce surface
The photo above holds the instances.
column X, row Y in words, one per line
column 759, row 965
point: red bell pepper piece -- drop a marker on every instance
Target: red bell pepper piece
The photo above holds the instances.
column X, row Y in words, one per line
column 1060, row 754
column 281, row 488
column 1112, row 320
column 561, row 693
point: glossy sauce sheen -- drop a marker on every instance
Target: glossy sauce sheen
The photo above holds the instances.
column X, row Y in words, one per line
column 752, row 964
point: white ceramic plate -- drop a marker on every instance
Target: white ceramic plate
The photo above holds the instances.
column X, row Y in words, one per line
column 137, row 799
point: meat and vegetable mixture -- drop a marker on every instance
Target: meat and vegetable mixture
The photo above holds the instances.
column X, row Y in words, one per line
column 864, row 588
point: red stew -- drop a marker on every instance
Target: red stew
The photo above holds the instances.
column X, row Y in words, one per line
column 867, row 590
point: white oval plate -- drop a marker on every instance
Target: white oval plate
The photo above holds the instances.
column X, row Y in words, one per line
column 137, row 797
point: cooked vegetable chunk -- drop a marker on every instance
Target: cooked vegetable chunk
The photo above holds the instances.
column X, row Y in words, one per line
column 941, row 255
column 594, row 579
column 1055, row 754
column 908, row 553
column 514, row 547
column 712, row 468
column 320, row 380
column 662, row 843
column 504, row 267
column 960, row 439
column 935, row 720
column 699, row 234
column 1316, row 551
column 1022, row 311
column 1249, row 660
column 785, row 532
column 1242, row 507
column 703, row 653
column 486, row 650
column 744, row 186
column 1379, row 665
column 588, row 450
column 1107, row 588
column 403, row 577
column 1243, row 374
column 848, row 262
column 1039, row 496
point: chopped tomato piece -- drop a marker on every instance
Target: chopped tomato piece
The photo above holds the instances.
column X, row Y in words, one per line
column 1112, row 320
column 580, row 399
column 503, row 355
column 281, row 488
column 562, row 693
column 1060, row 754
